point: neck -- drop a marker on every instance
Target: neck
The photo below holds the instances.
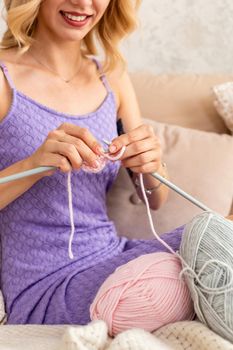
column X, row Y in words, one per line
column 61, row 56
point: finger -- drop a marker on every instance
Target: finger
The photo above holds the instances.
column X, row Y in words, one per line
column 146, row 168
column 84, row 151
column 58, row 161
column 62, row 163
column 142, row 158
column 141, row 132
column 65, row 149
column 82, row 133
column 142, row 146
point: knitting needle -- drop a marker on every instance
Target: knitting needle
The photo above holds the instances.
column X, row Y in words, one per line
column 156, row 175
column 27, row 173
column 175, row 188
column 180, row 192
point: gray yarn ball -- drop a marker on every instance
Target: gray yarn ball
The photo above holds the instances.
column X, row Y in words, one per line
column 207, row 249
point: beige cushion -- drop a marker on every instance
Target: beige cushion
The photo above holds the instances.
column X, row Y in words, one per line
column 185, row 100
column 199, row 162
column 224, row 102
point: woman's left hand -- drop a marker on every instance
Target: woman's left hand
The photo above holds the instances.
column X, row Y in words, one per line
column 143, row 149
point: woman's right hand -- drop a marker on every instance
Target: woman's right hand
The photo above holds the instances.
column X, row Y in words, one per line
column 66, row 148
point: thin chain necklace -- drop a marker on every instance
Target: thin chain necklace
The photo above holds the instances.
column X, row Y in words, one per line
column 54, row 72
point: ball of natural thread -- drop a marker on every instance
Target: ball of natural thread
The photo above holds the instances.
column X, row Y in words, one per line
column 147, row 293
column 207, row 248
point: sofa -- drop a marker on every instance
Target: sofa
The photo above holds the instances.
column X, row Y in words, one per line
column 198, row 150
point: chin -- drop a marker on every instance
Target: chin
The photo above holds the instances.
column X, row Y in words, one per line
column 71, row 37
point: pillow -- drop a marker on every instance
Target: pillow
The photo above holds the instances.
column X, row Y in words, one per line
column 199, row 162
column 224, row 103
column 181, row 99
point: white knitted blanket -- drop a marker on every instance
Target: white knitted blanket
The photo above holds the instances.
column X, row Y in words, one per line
column 189, row 335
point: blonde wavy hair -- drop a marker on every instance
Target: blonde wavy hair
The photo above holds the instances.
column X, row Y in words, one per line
column 118, row 21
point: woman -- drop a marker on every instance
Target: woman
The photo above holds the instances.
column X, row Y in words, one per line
column 58, row 104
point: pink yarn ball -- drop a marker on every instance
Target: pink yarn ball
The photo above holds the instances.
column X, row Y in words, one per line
column 145, row 293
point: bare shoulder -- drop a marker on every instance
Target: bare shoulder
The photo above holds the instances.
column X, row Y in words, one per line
column 119, row 81
column 3, row 58
column 117, row 77
column 8, row 55
column 128, row 108
column 5, row 91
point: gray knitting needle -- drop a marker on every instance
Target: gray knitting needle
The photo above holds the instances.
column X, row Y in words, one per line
column 176, row 188
column 156, row 175
column 29, row 172
column 180, row 191
column 26, row 173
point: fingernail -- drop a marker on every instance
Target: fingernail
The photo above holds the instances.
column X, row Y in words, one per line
column 95, row 164
column 112, row 148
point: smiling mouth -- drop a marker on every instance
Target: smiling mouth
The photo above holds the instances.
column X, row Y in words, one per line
column 74, row 18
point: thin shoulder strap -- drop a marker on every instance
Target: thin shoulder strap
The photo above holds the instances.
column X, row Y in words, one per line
column 103, row 76
column 6, row 74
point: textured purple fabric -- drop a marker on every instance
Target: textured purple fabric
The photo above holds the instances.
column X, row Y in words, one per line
column 40, row 283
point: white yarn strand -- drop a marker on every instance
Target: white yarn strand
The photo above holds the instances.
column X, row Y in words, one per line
column 70, row 200
column 150, row 217
column 210, row 290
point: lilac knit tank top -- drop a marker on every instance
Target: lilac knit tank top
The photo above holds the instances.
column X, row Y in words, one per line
column 35, row 228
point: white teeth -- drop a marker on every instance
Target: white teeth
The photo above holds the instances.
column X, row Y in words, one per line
column 75, row 18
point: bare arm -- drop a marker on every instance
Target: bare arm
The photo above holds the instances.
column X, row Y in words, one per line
column 129, row 113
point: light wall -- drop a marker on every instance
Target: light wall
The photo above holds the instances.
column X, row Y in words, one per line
column 181, row 36
column 2, row 23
